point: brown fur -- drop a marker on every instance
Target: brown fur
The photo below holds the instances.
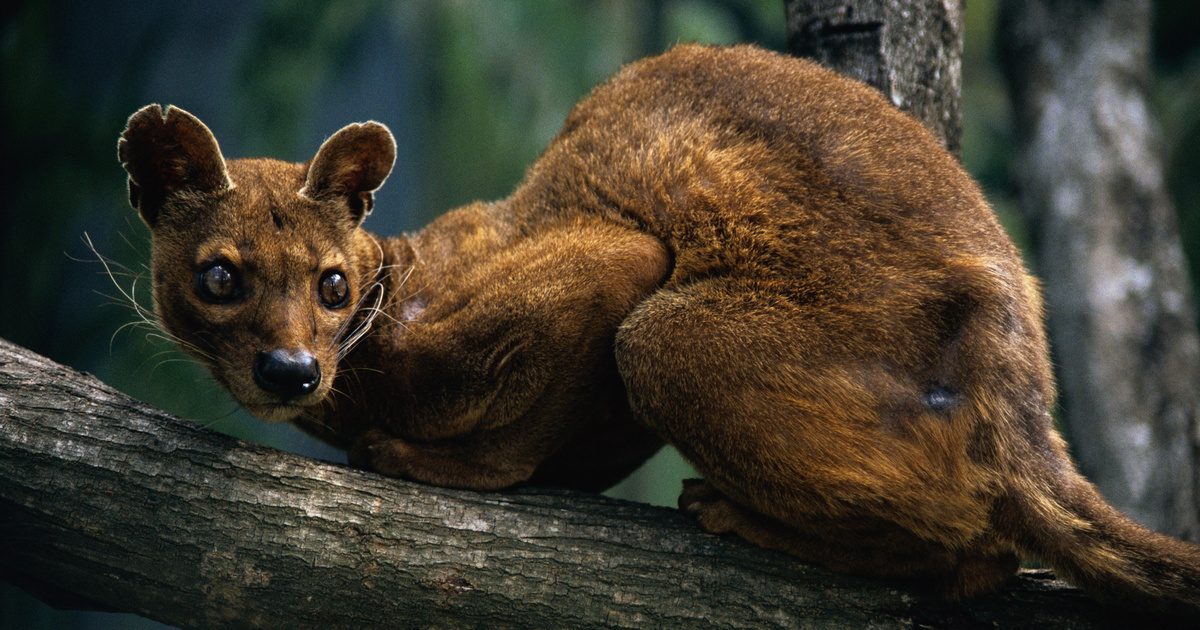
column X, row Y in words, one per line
column 739, row 253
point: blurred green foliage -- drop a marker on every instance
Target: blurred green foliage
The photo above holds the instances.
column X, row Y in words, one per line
column 473, row 90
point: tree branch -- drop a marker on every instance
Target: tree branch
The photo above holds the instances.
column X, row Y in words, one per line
column 123, row 505
column 910, row 51
column 1107, row 243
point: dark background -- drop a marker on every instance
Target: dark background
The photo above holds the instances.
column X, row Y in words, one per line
column 472, row 90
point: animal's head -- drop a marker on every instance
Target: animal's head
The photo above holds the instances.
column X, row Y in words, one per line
column 259, row 266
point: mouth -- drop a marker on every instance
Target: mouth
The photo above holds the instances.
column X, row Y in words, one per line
column 269, row 406
column 275, row 412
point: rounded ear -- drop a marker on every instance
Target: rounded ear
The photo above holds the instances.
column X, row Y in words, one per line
column 352, row 164
column 166, row 151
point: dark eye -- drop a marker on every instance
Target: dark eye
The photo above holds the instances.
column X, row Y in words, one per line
column 334, row 291
column 217, row 283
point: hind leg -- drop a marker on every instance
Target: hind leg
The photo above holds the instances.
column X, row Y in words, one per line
column 809, row 442
column 846, row 545
column 857, row 546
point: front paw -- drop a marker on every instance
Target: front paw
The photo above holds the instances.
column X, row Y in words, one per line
column 359, row 455
column 377, row 451
column 715, row 513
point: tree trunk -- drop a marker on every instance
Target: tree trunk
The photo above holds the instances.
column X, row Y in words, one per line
column 123, row 506
column 910, row 51
column 1107, row 244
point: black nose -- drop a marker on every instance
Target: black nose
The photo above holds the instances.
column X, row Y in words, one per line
column 286, row 373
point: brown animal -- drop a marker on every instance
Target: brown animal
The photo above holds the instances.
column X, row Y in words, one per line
column 739, row 253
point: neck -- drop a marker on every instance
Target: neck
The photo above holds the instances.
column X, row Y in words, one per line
column 433, row 264
column 390, row 265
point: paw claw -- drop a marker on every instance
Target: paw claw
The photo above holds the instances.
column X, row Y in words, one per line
column 696, row 491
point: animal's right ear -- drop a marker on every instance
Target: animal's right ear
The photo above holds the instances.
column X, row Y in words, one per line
column 166, row 152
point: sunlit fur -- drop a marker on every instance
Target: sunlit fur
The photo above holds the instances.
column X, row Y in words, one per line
column 739, row 253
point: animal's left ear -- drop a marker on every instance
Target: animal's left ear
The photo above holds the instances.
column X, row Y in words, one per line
column 352, row 164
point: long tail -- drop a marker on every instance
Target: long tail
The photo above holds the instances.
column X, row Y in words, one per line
column 1060, row 518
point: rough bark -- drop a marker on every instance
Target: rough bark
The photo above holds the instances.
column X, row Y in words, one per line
column 116, row 504
column 1106, row 242
column 910, row 51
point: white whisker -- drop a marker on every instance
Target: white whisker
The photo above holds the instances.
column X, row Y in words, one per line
column 128, row 298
